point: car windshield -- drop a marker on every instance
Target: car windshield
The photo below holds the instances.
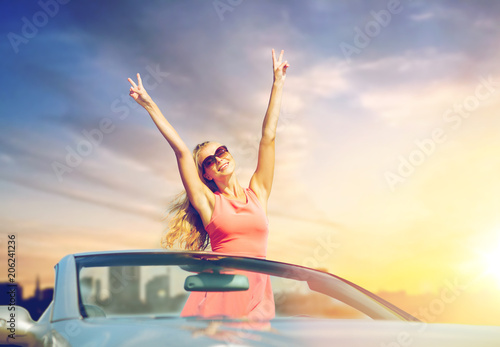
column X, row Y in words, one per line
column 209, row 289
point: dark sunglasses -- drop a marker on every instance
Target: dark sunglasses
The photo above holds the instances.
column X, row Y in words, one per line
column 220, row 153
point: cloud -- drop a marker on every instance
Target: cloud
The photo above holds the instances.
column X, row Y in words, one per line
column 422, row 16
column 418, row 86
column 103, row 177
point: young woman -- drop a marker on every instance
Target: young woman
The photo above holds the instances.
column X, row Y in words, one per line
column 216, row 209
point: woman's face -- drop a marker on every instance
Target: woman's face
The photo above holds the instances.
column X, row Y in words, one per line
column 219, row 163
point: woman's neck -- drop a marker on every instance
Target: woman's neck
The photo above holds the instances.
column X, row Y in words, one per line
column 232, row 189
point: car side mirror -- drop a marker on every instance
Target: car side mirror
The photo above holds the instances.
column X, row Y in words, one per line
column 15, row 325
column 216, row 282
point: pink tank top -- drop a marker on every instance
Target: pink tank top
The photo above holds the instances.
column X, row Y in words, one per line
column 239, row 227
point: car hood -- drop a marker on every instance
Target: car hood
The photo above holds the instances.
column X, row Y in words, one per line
column 281, row 332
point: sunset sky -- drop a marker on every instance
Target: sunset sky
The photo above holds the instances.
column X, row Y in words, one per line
column 388, row 149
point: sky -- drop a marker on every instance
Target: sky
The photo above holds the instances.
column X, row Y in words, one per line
column 388, row 146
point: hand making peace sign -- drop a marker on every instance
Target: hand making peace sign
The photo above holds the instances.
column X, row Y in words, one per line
column 279, row 67
column 138, row 93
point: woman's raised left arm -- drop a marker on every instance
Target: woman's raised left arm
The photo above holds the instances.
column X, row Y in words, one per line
column 262, row 179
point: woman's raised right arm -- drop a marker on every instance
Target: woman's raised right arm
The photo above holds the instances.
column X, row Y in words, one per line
column 200, row 196
column 139, row 94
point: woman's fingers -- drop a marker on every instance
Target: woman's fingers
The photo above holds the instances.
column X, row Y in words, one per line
column 137, row 89
column 139, row 81
column 132, row 83
column 278, row 62
column 137, row 86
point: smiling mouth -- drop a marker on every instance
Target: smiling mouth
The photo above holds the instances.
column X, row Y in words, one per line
column 223, row 166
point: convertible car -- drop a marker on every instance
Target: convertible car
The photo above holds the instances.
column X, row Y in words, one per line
column 136, row 298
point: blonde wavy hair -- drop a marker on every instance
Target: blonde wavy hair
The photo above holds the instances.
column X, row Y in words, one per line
column 185, row 226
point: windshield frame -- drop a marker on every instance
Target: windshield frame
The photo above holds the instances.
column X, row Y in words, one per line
column 322, row 282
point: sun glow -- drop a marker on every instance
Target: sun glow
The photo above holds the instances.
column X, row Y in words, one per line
column 492, row 262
